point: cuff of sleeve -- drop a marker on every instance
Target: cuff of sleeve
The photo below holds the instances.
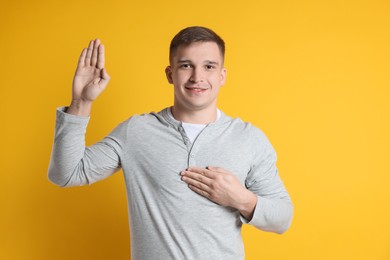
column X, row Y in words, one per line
column 62, row 116
column 269, row 216
column 257, row 214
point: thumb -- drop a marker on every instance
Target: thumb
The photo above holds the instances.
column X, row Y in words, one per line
column 104, row 75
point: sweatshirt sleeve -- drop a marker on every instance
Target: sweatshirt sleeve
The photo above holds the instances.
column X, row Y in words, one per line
column 274, row 209
column 74, row 164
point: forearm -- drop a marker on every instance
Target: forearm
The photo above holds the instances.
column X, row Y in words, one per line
column 68, row 149
column 74, row 164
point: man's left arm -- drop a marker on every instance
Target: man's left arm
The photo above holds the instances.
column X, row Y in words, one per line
column 264, row 201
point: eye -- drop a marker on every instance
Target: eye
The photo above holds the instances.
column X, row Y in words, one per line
column 185, row 66
column 210, row 67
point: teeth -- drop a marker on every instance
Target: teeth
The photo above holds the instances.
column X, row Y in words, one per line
column 196, row 89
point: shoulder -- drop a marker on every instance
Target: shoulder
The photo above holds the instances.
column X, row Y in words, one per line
column 139, row 122
column 247, row 129
column 250, row 135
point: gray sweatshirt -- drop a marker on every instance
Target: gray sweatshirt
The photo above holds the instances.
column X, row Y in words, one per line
column 167, row 219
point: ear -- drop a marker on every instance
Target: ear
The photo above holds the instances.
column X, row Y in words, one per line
column 223, row 76
column 168, row 73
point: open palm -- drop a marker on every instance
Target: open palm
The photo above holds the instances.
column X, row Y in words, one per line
column 91, row 77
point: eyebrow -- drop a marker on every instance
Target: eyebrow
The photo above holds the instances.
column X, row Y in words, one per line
column 206, row 61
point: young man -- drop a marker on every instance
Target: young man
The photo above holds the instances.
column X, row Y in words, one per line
column 193, row 174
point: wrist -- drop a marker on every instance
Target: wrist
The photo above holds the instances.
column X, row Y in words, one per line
column 248, row 205
column 80, row 107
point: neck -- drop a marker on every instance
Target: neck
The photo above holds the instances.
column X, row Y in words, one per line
column 201, row 116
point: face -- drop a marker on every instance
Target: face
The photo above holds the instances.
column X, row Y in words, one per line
column 197, row 73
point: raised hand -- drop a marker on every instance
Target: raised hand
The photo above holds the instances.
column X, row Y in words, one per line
column 90, row 79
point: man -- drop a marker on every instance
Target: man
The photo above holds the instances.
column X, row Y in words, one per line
column 193, row 175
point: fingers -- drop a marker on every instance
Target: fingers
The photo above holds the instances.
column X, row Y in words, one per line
column 202, row 171
column 87, row 61
column 200, row 183
column 95, row 52
column 82, row 58
column 94, row 55
column 200, row 191
column 101, row 57
column 217, row 169
column 195, row 176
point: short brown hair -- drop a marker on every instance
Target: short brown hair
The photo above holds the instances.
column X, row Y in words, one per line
column 195, row 34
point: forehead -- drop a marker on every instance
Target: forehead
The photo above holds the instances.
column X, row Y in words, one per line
column 198, row 51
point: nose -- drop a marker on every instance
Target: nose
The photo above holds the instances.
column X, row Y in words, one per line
column 197, row 75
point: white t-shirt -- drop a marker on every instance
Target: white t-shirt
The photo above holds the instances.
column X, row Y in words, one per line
column 193, row 130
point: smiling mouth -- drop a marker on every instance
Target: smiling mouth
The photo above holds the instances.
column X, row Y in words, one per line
column 196, row 90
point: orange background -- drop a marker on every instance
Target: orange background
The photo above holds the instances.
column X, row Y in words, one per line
column 313, row 75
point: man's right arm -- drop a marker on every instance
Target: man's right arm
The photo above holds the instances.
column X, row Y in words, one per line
column 71, row 162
